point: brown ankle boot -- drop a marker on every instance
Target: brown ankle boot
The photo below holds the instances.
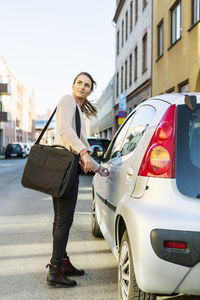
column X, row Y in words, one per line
column 69, row 270
column 55, row 277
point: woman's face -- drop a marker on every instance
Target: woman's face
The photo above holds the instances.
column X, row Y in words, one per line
column 82, row 87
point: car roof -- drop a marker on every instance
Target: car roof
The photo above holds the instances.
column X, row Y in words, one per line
column 173, row 98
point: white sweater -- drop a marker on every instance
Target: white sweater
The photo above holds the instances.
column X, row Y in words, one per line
column 66, row 127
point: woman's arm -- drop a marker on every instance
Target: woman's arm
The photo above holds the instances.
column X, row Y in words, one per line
column 65, row 113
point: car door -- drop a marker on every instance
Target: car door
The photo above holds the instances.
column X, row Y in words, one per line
column 123, row 163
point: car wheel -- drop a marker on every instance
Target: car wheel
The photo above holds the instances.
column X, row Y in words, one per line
column 96, row 231
column 127, row 285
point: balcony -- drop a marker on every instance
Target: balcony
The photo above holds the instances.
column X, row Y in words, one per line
column 5, row 89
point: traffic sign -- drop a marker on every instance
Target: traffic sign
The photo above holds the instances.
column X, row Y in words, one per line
column 120, row 120
column 122, row 114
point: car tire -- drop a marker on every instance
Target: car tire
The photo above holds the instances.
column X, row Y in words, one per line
column 96, row 231
column 127, row 285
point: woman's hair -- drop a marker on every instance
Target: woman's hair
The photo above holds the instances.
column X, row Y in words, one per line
column 87, row 107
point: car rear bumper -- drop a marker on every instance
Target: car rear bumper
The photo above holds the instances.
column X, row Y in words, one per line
column 163, row 214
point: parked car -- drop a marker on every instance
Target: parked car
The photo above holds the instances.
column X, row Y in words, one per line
column 148, row 208
column 27, row 147
column 15, row 150
column 99, row 147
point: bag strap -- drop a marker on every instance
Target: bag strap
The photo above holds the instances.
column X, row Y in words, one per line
column 78, row 125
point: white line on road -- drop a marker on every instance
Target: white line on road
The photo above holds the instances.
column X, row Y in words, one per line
column 82, row 213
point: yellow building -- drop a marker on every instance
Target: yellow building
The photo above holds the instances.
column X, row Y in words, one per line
column 176, row 46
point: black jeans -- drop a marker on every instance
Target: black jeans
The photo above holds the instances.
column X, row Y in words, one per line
column 63, row 217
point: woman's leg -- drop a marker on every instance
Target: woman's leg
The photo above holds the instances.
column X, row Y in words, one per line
column 64, row 212
column 55, row 220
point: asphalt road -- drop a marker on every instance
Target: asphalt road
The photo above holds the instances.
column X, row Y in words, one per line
column 26, row 243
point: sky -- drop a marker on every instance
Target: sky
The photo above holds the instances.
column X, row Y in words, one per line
column 46, row 43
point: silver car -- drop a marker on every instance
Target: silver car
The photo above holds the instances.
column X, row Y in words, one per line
column 148, row 208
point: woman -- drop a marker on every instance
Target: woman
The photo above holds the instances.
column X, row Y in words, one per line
column 60, row 266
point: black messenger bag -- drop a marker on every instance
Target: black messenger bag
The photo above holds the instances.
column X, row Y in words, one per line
column 51, row 169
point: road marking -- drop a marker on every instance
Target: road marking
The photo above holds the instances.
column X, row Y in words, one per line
column 82, row 213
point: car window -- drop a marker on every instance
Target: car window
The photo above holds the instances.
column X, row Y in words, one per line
column 194, row 141
column 133, row 130
column 15, row 147
column 116, row 147
column 99, row 142
column 97, row 151
column 137, row 128
column 188, row 151
column 133, row 138
column 9, row 147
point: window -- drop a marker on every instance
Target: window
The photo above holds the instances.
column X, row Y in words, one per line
column 137, row 128
column 126, row 25
column 188, row 149
column 195, row 11
column 136, row 11
column 122, row 43
column 132, row 131
column 131, row 16
column 194, row 140
column 117, row 84
column 160, row 38
column 126, row 71
column 122, row 78
column 135, row 65
column 183, row 87
column 144, row 53
column 175, row 23
column 119, row 139
column 117, row 42
column 130, row 69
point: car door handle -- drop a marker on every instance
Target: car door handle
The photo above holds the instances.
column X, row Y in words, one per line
column 130, row 172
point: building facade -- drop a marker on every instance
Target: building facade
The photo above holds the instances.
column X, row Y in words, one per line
column 176, row 46
column 102, row 125
column 133, row 71
column 18, row 105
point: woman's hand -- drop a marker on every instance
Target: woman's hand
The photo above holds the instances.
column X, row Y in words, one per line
column 86, row 162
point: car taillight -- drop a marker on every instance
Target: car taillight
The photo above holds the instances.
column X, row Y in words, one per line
column 159, row 159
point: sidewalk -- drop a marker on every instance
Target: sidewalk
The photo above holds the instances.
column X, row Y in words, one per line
column 2, row 156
